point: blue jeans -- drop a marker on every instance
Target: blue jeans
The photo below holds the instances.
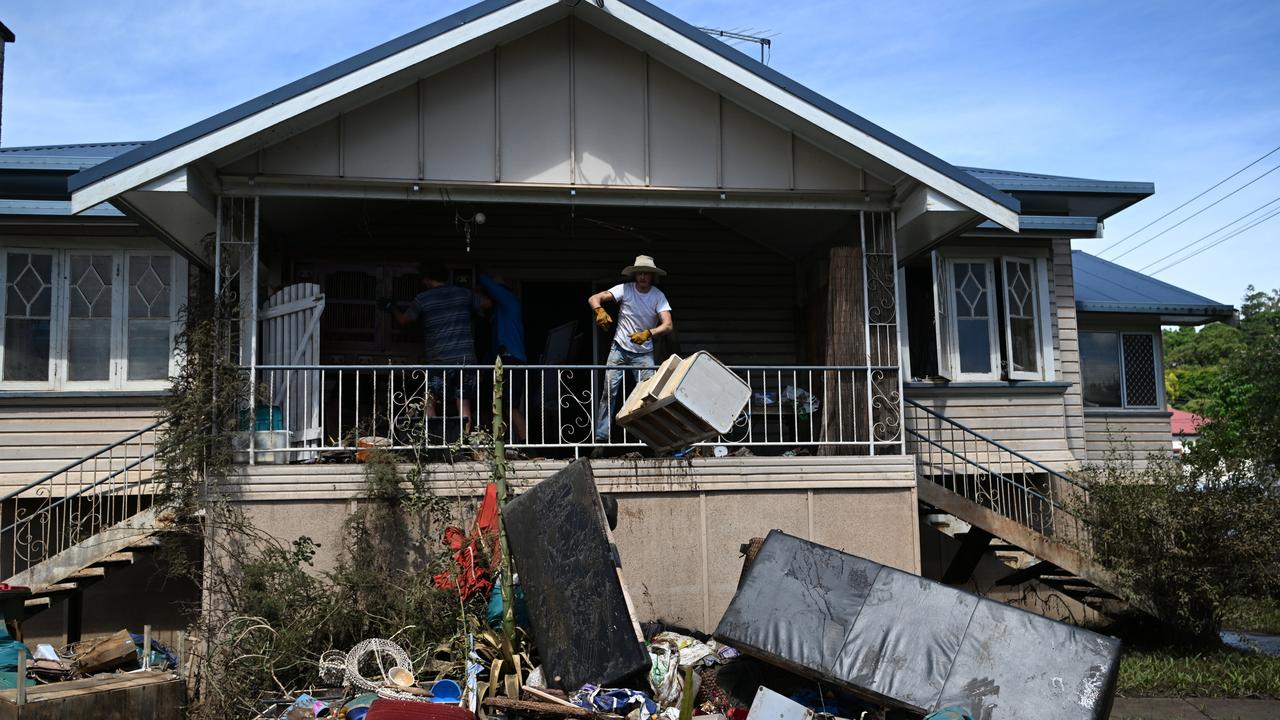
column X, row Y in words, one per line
column 641, row 365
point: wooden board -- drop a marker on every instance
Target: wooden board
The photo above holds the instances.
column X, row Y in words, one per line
column 131, row 696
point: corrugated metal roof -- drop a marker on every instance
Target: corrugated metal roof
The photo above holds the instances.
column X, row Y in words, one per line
column 53, row 207
column 62, row 157
column 1103, row 286
column 480, row 9
column 1012, row 180
column 1065, row 223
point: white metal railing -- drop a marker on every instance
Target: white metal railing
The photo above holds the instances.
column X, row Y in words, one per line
column 72, row 504
column 305, row 412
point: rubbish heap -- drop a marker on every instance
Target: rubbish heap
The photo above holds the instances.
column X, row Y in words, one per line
column 812, row 634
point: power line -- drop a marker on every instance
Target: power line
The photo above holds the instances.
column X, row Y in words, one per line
column 1209, row 235
column 1192, row 215
column 1197, row 197
column 1217, row 242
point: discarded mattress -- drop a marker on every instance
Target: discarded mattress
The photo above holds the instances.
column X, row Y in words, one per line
column 581, row 616
column 902, row 640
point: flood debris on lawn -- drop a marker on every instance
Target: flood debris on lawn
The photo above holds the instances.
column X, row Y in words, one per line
column 811, row 634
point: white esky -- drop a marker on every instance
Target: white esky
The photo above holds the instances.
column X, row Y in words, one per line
column 1181, row 94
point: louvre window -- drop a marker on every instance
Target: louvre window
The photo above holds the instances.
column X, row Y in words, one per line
column 88, row 319
column 1120, row 370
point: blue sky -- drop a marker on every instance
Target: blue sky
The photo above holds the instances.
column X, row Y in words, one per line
column 1181, row 94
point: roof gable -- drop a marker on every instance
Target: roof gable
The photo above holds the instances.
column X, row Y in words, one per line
column 476, row 25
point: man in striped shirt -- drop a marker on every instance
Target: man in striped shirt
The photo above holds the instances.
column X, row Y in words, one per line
column 445, row 313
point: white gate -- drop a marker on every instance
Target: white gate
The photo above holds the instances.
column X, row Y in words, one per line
column 291, row 336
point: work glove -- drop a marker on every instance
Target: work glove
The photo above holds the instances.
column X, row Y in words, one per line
column 603, row 321
column 641, row 337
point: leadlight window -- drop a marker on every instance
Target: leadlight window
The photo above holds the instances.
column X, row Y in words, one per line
column 991, row 318
column 1120, row 370
column 88, row 319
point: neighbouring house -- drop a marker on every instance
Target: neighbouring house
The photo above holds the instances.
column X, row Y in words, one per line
column 1186, row 429
column 919, row 338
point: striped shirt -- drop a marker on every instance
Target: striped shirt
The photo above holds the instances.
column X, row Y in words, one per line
column 445, row 313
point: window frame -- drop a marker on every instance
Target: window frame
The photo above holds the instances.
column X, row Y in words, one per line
column 1157, row 361
column 953, row 322
column 59, row 325
column 1040, row 260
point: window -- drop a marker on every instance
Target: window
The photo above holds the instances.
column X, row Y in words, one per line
column 992, row 318
column 1120, row 370
column 88, row 319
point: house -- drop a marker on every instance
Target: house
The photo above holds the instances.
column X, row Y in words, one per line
column 1186, row 429
column 913, row 332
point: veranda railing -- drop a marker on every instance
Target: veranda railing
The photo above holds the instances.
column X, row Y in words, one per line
column 309, row 411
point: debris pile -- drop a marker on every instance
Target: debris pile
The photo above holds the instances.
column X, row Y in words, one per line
column 812, row 634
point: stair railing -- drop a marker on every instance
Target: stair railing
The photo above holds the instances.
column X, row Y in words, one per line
column 74, row 503
column 995, row 476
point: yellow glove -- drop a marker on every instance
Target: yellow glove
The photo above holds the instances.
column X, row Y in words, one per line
column 603, row 321
column 641, row 337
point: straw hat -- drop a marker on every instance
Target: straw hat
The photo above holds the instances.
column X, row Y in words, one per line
column 643, row 263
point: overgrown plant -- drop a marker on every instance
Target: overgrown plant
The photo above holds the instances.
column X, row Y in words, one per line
column 1183, row 540
column 266, row 613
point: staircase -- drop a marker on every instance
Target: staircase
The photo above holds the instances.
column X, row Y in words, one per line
column 1015, row 507
column 73, row 527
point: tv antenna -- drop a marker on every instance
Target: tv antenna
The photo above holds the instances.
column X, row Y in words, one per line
column 733, row 37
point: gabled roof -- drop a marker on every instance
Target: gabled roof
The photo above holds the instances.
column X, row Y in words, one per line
column 997, row 203
column 6, row 34
column 1105, row 287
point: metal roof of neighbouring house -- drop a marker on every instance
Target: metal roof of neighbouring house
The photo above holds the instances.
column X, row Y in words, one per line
column 1182, row 422
column 481, row 9
column 1105, row 287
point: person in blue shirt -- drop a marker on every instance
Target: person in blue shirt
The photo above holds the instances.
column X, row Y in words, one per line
column 507, row 342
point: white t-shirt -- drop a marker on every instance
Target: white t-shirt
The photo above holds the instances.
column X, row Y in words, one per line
column 637, row 311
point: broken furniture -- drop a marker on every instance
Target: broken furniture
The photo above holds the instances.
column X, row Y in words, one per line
column 146, row 694
column 582, row 618
column 900, row 640
column 686, row 401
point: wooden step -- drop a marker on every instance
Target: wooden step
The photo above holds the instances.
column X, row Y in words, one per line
column 120, row 558
column 56, row 588
column 38, row 602
column 88, row 573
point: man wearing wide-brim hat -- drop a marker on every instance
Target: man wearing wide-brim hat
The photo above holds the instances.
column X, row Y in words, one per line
column 643, row 313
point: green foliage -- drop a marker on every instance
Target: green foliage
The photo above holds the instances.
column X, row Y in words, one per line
column 1221, row 672
column 1183, row 540
column 194, row 450
column 1261, row 615
column 1243, row 435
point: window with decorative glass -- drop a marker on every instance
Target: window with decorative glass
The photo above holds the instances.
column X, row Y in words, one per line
column 1120, row 369
column 991, row 317
column 88, row 319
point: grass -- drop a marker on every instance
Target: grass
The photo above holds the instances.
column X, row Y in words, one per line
column 1218, row 672
column 1253, row 615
